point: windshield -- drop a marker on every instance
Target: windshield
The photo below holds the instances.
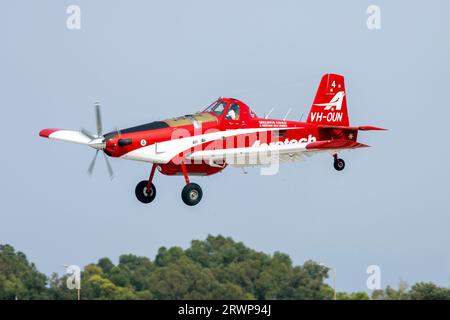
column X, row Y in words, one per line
column 217, row 108
column 210, row 106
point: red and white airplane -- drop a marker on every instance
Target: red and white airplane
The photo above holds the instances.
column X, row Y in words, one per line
column 228, row 132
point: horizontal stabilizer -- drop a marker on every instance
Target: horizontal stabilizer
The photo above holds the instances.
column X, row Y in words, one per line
column 334, row 145
column 361, row 128
column 368, row 128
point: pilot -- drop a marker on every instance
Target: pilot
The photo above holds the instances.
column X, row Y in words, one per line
column 233, row 114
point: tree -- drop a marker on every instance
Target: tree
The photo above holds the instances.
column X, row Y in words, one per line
column 429, row 291
column 106, row 265
column 352, row 296
column 19, row 279
column 104, row 289
column 216, row 268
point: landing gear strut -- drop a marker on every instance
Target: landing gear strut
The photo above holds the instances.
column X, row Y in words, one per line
column 338, row 164
column 145, row 190
column 191, row 193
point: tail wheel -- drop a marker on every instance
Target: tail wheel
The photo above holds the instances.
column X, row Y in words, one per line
column 339, row 164
column 191, row 194
column 143, row 194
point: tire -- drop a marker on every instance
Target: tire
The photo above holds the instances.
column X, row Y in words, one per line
column 191, row 194
column 339, row 164
column 141, row 192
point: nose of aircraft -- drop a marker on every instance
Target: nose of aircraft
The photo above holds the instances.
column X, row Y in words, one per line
column 98, row 143
column 110, row 145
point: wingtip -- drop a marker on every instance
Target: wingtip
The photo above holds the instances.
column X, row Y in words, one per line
column 45, row 133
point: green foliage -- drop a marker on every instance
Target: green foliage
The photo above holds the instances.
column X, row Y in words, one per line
column 352, row 296
column 19, row 279
column 391, row 294
column 429, row 291
column 106, row 265
column 216, row 268
column 419, row 291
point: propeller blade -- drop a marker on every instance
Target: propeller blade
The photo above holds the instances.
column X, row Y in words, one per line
column 87, row 134
column 110, row 169
column 98, row 118
column 91, row 166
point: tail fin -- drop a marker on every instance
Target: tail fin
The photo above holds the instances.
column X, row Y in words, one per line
column 330, row 103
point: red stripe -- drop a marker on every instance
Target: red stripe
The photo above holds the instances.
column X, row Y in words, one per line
column 45, row 133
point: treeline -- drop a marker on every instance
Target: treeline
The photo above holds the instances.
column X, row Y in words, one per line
column 217, row 268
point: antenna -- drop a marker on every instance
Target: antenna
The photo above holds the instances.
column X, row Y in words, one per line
column 287, row 113
column 301, row 117
column 267, row 115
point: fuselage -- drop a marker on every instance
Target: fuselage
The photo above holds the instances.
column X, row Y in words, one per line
column 163, row 142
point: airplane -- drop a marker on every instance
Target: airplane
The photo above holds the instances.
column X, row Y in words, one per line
column 227, row 132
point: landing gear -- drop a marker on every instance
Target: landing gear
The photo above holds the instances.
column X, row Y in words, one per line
column 145, row 190
column 191, row 194
column 145, row 194
column 338, row 164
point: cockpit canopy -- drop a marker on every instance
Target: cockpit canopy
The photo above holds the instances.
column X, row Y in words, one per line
column 232, row 108
column 217, row 107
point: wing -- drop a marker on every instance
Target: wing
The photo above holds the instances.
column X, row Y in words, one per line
column 266, row 154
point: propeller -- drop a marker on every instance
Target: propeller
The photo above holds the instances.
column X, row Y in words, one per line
column 98, row 142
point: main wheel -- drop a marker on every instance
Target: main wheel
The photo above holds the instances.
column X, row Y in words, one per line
column 191, row 194
column 143, row 194
column 339, row 164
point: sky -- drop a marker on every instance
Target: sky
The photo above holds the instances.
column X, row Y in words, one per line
column 150, row 60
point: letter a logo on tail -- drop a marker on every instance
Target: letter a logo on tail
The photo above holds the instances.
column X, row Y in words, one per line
column 335, row 103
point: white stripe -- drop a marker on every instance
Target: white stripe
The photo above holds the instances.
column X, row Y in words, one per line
column 163, row 152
